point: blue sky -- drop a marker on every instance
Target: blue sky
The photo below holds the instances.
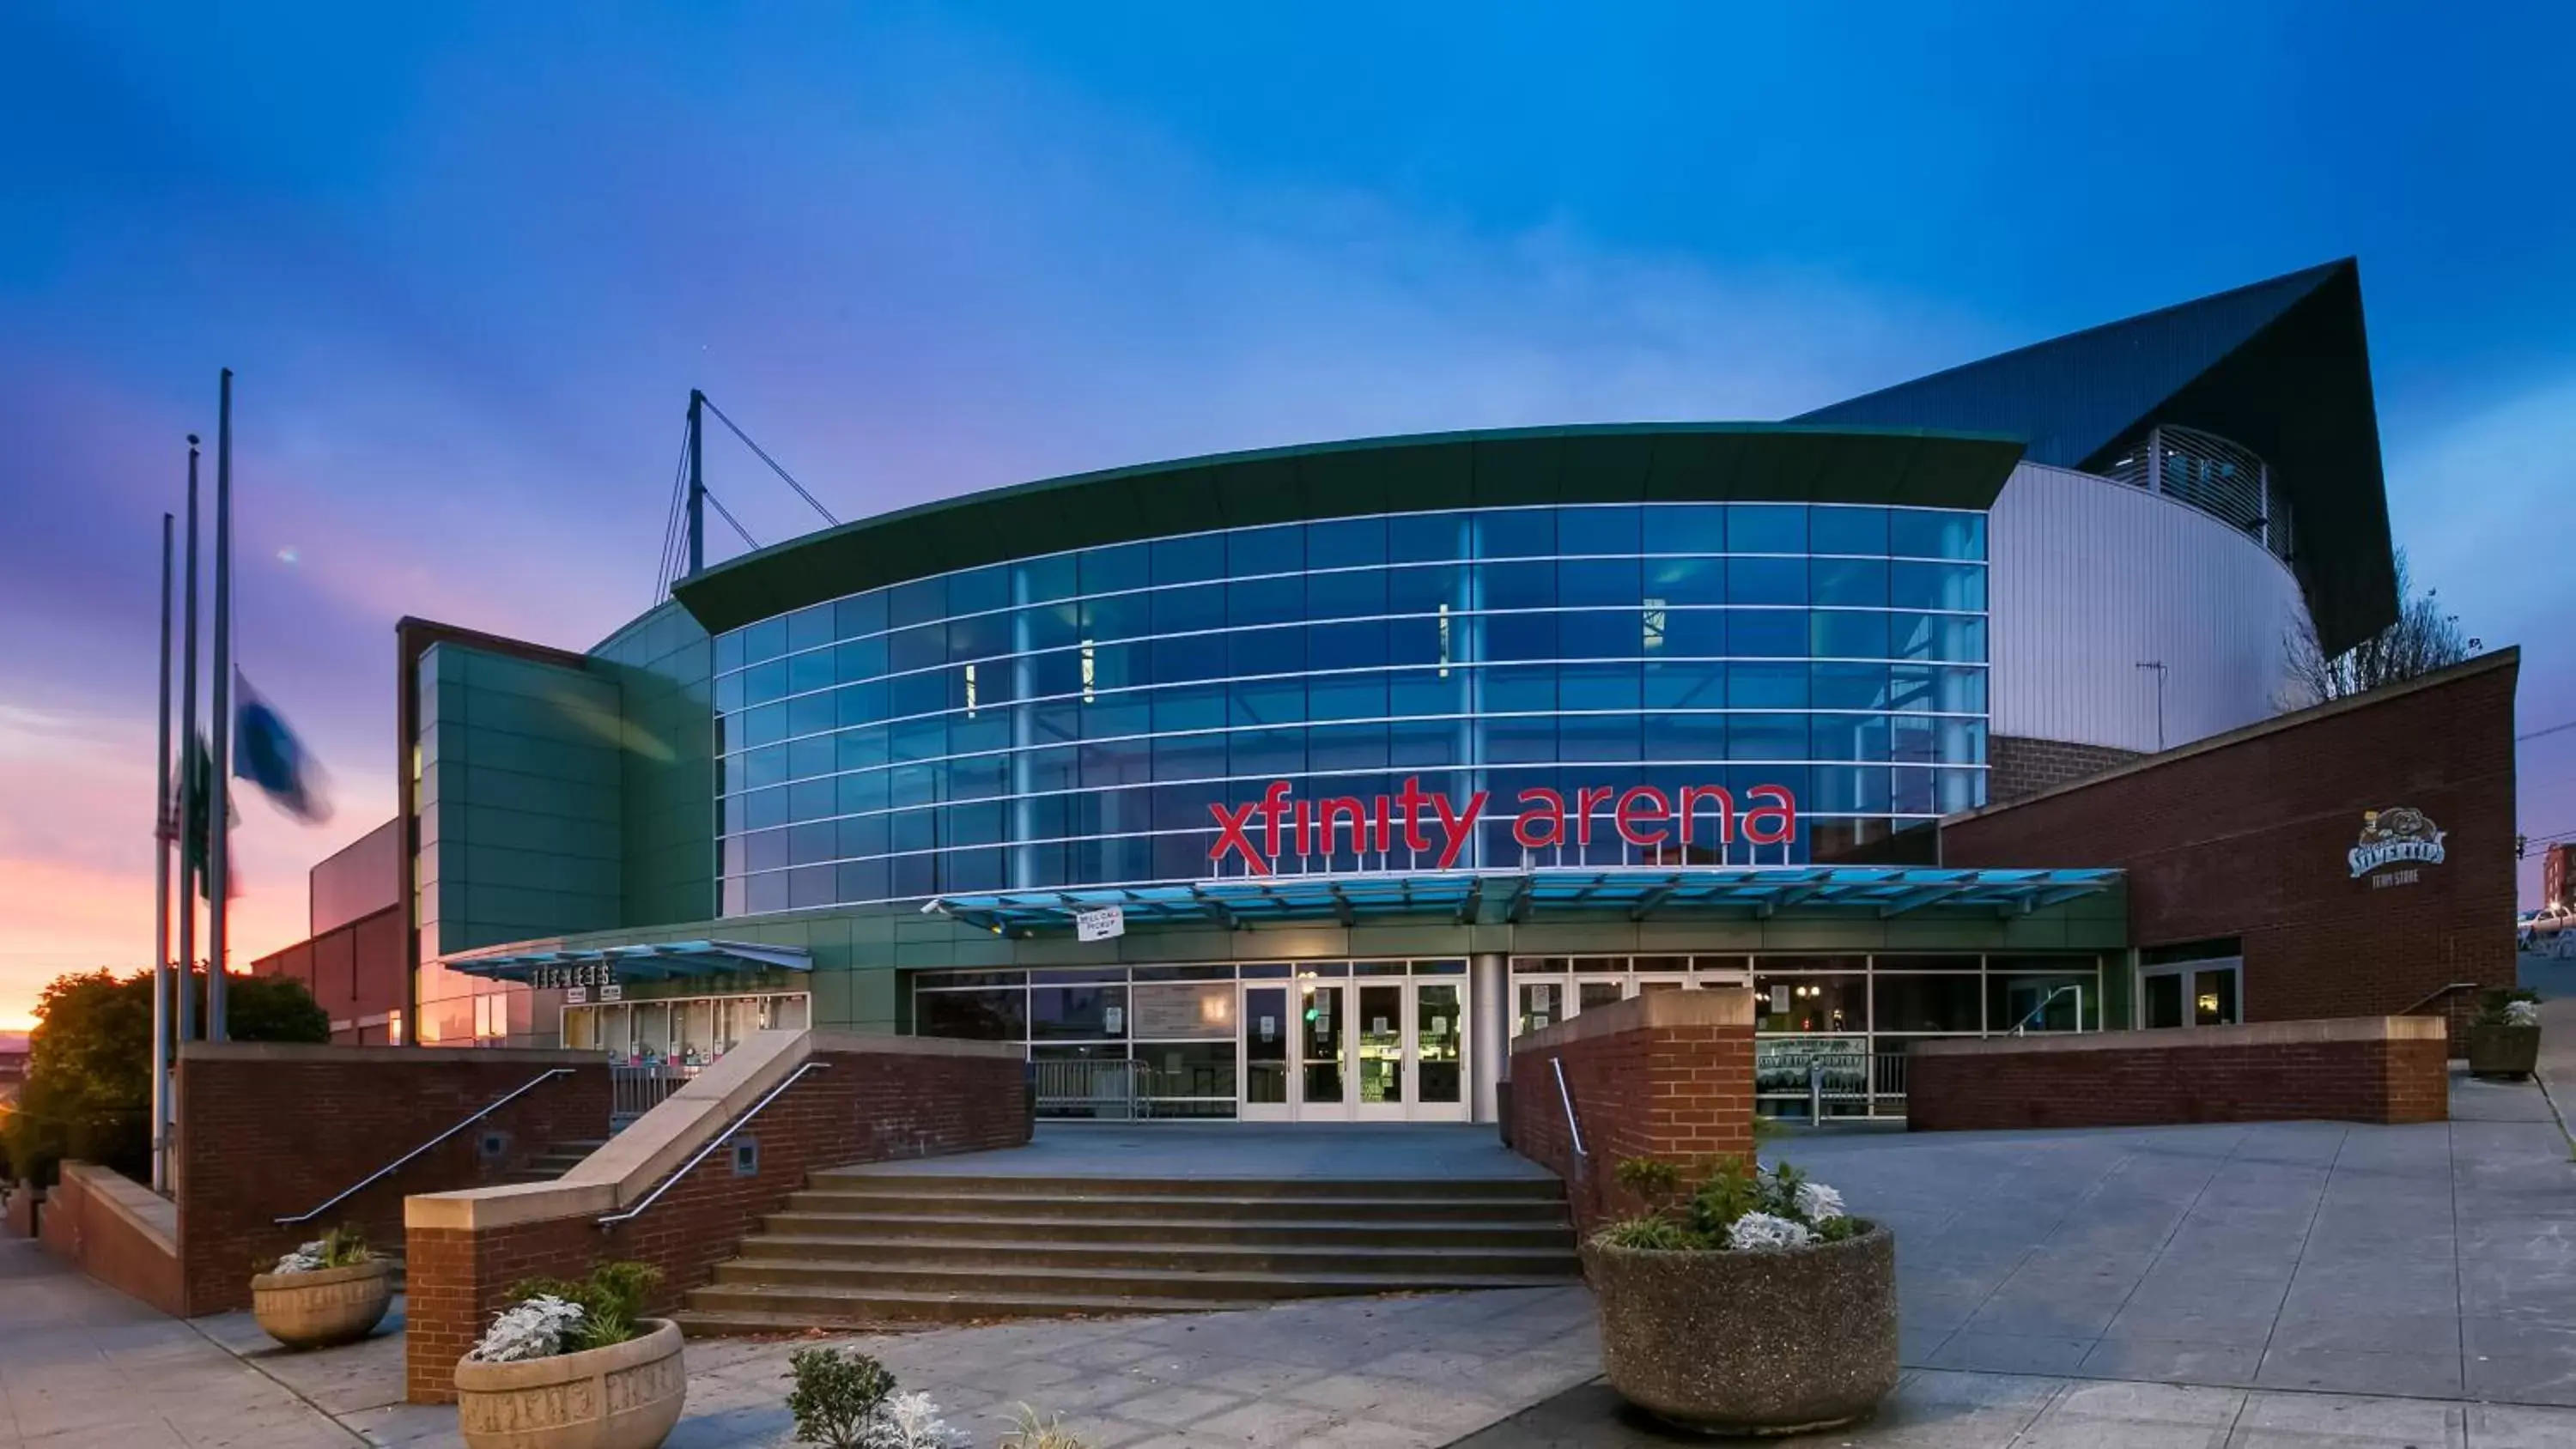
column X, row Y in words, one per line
column 468, row 260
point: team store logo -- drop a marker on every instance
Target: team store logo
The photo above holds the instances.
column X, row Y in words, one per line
column 2401, row 833
column 1428, row 821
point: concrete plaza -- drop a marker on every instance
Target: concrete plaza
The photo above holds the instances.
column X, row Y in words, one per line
column 2221, row 1287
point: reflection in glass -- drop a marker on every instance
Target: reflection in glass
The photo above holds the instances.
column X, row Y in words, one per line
column 1381, row 1040
column 1265, row 1044
column 1320, row 1037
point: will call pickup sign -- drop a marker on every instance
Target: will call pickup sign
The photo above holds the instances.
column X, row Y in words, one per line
column 1425, row 821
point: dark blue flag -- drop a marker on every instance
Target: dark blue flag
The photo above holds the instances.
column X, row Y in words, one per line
column 268, row 754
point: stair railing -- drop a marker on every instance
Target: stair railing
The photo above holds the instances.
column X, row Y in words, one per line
column 1562, row 1095
column 719, row 1140
column 390, row 1168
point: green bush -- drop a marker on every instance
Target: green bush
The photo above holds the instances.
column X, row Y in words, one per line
column 611, row 1300
column 88, row 1093
column 838, row 1396
column 2493, row 1006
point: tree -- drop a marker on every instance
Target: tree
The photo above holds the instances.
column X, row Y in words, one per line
column 2422, row 640
column 88, row 1093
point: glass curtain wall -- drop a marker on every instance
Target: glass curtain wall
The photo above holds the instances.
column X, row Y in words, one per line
column 1068, row 720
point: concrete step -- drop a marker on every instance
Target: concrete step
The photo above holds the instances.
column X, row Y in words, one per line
column 754, row 1309
column 903, row 1184
column 1113, row 1260
column 1013, row 1278
column 552, row 1163
column 1036, row 1201
column 1390, row 1232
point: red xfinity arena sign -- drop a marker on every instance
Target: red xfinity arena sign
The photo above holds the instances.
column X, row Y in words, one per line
column 1426, row 821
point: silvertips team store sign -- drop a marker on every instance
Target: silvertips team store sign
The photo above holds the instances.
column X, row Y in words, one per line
column 1431, row 823
column 2395, row 836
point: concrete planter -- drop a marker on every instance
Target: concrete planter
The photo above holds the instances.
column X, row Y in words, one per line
column 323, row 1308
column 1770, row 1342
column 2503, row 1051
column 624, row 1396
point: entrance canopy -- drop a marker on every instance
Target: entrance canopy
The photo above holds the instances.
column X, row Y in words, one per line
column 662, row 961
column 1510, row 897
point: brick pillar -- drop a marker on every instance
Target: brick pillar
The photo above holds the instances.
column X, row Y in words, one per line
column 1667, row 1075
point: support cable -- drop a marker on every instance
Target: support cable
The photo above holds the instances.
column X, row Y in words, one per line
column 729, row 518
column 665, row 570
column 790, row 478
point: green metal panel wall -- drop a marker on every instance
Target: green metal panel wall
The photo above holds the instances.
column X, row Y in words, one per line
column 520, row 800
column 661, row 664
column 857, row 950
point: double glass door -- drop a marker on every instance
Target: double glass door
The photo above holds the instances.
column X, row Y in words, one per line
column 1359, row 1050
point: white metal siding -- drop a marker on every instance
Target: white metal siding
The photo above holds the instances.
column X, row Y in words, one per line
column 2089, row 578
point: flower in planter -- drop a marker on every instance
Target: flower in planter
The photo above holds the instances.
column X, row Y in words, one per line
column 343, row 1247
column 2522, row 1013
column 1817, row 1203
column 1739, row 1208
column 531, row 1328
column 1762, row 1230
column 843, row 1399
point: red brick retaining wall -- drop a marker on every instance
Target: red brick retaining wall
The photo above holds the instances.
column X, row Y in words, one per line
column 2246, row 835
column 2354, row 1069
column 876, row 1100
column 115, row 1231
column 268, row 1130
column 1668, row 1075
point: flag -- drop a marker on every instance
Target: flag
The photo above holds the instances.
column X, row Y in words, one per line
column 196, row 842
column 268, row 754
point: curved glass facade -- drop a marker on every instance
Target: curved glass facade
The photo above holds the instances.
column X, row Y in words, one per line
column 1069, row 719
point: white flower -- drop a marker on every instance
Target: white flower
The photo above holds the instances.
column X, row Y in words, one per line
column 1762, row 1230
column 534, row 1329
column 911, row 1421
column 2522, row 1013
column 1818, row 1203
column 306, row 1259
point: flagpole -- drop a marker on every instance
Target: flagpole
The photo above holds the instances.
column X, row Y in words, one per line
column 161, row 843
column 219, row 794
column 189, row 823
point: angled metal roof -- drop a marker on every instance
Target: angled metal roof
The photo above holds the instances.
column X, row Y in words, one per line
column 1510, row 897
column 1608, row 463
column 661, row 961
column 2282, row 367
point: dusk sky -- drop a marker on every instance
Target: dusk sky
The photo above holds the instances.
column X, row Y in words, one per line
column 467, row 261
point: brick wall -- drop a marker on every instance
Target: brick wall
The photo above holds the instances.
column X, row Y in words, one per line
column 1667, row 1075
column 2018, row 767
column 895, row 1098
column 268, row 1130
column 2357, row 1069
column 359, row 970
column 115, row 1231
column 2246, row 835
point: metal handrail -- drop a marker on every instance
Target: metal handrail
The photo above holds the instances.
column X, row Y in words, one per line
column 2022, row 1027
column 391, row 1167
column 1566, row 1097
column 720, row 1139
column 2439, row 992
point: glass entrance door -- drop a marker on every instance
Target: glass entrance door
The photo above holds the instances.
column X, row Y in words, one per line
column 2191, row 993
column 1323, row 1052
column 1439, row 1051
column 1266, row 1031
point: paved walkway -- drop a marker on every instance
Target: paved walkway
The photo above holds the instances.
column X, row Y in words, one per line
column 2296, row 1284
column 2436, row 1260
column 82, row 1366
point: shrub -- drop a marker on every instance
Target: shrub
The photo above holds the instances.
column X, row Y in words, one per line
column 2510, row 1006
column 608, row 1302
column 1030, row 1430
column 843, row 1399
column 1740, row 1207
column 342, row 1247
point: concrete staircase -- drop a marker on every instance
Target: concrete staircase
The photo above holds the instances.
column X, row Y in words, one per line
column 558, row 1159
column 865, row 1249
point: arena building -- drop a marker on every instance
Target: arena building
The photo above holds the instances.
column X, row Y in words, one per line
column 1290, row 784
